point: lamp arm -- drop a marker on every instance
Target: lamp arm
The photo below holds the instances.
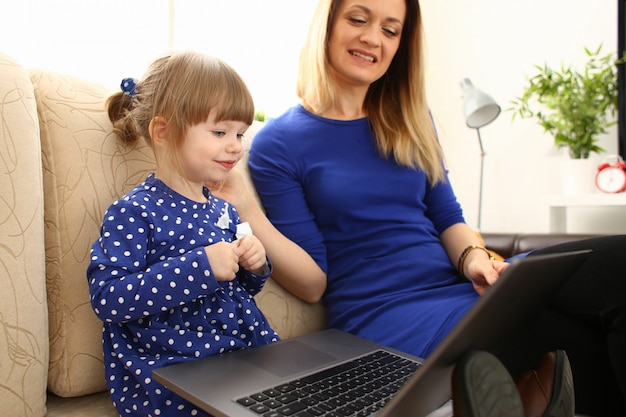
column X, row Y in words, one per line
column 480, row 190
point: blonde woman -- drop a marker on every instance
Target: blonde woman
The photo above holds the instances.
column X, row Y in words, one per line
column 354, row 180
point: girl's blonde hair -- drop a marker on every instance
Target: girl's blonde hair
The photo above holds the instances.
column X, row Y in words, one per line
column 395, row 104
column 182, row 88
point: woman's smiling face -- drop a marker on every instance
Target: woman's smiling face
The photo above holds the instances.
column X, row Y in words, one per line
column 364, row 38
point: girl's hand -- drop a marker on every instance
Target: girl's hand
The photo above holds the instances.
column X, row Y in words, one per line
column 251, row 254
column 224, row 260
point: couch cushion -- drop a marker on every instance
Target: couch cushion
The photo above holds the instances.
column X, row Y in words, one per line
column 85, row 169
column 23, row 308
column 288, row 315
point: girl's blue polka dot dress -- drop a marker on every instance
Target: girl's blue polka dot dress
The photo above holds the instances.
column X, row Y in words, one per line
column 153, row 287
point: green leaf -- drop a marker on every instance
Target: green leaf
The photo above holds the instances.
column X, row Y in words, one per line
column 575, row 107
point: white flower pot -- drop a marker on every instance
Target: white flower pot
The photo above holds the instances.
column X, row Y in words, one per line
column 578, row 176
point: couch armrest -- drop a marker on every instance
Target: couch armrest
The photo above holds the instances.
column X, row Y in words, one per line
column 23, row 307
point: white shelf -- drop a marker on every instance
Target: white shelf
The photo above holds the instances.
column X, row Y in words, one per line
column 589, row 200
column 560, row 204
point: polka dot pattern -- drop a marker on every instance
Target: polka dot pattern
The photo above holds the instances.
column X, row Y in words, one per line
column 153, row 287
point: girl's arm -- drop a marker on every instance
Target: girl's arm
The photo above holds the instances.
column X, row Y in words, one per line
column 253, row 282
column 123, row 287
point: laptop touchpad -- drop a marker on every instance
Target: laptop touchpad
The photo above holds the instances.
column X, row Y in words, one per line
column 287, row 358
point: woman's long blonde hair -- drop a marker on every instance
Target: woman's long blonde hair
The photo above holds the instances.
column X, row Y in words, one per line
column 395, row 104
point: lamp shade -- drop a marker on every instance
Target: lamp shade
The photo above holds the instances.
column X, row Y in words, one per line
column 479, row 108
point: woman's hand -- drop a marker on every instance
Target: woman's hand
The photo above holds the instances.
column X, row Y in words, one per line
column 483, row 272
column 234, row 190
column 477, row 267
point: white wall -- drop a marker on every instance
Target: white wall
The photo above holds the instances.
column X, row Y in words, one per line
column 496, row 43
column 108, row 40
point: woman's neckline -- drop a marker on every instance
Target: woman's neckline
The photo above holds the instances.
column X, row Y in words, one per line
column 330, row 117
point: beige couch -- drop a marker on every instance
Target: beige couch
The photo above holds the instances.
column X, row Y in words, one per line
column 61, row 166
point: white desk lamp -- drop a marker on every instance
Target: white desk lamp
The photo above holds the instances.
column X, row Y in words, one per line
column 480, row 110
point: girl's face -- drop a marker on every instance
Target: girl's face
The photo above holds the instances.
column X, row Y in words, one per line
column 211, row 149
column 364, row 39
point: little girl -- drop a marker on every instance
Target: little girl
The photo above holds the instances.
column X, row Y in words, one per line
column 170, row 277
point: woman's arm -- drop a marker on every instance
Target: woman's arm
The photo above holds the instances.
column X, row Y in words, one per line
column 294, row 269
column 477, row 266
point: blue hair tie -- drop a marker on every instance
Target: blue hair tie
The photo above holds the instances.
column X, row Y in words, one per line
column 129, row 86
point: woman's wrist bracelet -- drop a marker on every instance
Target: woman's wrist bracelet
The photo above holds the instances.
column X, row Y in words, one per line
column 466, row 251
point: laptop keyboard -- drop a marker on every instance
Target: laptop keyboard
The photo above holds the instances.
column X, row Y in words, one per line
column 358, row 388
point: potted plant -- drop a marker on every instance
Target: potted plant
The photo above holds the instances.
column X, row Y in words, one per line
column 575, row 107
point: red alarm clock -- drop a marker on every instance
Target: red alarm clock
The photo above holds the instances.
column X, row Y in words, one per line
column 611, row 175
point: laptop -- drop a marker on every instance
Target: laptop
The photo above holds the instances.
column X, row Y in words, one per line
column 283, row 378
